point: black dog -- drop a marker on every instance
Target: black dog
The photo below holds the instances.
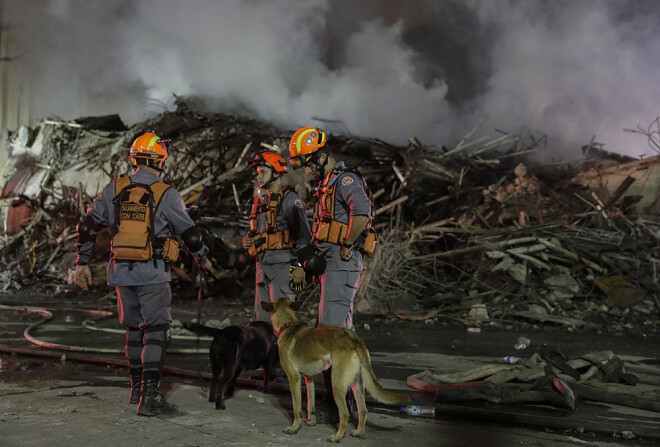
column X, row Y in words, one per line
column 234, row 349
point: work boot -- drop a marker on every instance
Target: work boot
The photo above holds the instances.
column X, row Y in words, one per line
column 136, row 383
column 151, row 401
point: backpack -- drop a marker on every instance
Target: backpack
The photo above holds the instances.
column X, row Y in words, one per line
column 133, row 237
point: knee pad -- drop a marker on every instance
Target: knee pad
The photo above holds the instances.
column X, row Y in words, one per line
column 156, row 339
column 133, row 349
column 159, row 335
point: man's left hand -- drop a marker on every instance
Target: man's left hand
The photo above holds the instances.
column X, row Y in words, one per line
column 297, row 279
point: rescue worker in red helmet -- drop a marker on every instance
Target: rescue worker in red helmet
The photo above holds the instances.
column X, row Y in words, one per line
column 140, row 212
column 278, row 231
column 341, row 230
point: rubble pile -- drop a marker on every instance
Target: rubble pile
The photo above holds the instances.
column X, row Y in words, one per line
column 481, row 232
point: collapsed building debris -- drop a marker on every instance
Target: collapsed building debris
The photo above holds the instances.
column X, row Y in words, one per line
column 548, row 377
column 479, row 224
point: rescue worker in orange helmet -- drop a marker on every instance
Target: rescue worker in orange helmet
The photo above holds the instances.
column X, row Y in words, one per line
column 278, row 232
column 341, row 230
column 342, row 220
column 139, row 212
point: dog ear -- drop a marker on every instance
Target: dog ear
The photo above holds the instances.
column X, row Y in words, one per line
column 296, row 305
column 268, row 307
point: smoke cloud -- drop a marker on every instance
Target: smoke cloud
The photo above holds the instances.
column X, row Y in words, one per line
column 386, row 69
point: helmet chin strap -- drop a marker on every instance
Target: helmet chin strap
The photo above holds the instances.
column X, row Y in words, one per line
column 273, row 177
column 318, row 166
column 158, row 167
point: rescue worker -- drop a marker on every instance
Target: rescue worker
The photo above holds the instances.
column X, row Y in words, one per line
column 279, row 231
column 341, row 229
column 141, row 212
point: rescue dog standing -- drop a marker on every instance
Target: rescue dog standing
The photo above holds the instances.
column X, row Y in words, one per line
column 235, row 349
column 309, row 351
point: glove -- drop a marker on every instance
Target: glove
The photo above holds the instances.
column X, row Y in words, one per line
column 346, row 252
column 296, row 279
column 248, row 241
column 83, row 277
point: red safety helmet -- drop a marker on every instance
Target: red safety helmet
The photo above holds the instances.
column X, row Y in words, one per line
column 303, row 144
column 149, row 146
column 269, row 159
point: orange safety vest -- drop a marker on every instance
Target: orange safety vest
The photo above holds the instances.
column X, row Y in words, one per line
column 133, row 236
column 326, row 229
column 271, row 239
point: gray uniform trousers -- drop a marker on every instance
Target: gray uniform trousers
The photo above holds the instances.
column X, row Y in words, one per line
column 271, row 283
column 339, row 285
column 145, row 311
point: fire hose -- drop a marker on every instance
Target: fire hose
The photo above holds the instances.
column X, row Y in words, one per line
column 47, row 316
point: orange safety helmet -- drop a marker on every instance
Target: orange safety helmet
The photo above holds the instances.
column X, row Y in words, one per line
column 270, row 160
column 303, row 144
column 149, row 146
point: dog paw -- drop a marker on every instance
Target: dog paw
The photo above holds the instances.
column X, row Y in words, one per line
column 291, row 430
column 357, row 434
column 219, row 406
column 335, row 439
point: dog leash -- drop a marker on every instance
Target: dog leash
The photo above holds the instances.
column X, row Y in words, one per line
column 208, row 272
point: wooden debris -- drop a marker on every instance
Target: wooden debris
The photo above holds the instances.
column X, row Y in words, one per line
column 479, row 223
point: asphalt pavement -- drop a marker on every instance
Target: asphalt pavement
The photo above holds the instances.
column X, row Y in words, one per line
column 51, row 397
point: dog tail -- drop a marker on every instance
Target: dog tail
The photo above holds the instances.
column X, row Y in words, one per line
column 200, row 329
column 371, row 382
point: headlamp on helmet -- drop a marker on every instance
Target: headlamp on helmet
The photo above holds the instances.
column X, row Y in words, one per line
column 303, row 144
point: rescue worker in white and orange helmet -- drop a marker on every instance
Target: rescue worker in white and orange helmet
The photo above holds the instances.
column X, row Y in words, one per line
column 342, row 222
column 278, row 232
column 341, row 230
column 140, row 212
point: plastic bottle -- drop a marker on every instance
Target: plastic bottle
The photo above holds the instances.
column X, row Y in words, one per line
column 511, row 359
column 419, row 410
column 520, row 346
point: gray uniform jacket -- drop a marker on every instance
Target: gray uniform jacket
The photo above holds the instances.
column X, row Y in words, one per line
column 171, row 214
column 350, row 200
column 292, row 217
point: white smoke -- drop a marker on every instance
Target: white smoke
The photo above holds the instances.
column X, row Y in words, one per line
column 569, row 69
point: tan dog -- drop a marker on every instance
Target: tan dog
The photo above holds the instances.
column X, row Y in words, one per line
column 309, row 351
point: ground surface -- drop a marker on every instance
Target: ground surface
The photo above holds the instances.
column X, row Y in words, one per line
column 81, row 399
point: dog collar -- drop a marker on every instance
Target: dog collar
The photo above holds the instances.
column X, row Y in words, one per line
column 284, row 328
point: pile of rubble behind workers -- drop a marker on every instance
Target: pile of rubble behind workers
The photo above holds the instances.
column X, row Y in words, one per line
column 481, row 233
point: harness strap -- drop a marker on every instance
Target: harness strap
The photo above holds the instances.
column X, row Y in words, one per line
column 271, row 239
